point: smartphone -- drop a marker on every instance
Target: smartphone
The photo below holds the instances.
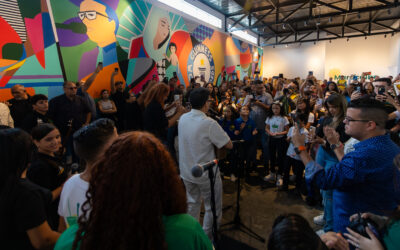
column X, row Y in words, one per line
column 176, row 98
column 116, row 70
column 312, row 131
column 381, row 90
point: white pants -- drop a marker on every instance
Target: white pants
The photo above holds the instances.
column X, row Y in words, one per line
column 198, row 192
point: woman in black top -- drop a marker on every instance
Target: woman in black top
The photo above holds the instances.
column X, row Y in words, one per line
column 23, row 204
column 47, row 170
column 155, row 120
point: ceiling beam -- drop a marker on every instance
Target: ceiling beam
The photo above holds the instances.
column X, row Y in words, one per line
column 237, row 21
column 358, row 30
column 332, row 25
column 330, row 6
column 327, row 38
column 382, row 25
column 262, row 17
column 268, row 7
column 330, row 32
column 294, row 11
column 333, row 14
column 383, row 1
column 306, row 35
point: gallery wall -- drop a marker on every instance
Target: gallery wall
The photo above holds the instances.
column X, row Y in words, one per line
column 139, row 39
column 376, row 54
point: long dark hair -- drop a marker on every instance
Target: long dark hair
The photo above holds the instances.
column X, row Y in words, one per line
column 135, row 181
column 15, row 154
column 340, row 102
column 292, row 231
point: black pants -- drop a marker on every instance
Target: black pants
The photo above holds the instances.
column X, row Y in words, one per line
column 277, row 151
column 298, row 169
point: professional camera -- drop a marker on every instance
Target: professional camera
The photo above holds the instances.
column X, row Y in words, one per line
column 358, row 225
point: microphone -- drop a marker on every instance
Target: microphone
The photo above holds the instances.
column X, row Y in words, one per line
column 199, row 169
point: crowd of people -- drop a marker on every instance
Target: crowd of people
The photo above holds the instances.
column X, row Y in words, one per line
column 115, row 171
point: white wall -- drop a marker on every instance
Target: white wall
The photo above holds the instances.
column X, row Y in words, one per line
column 294, row 60
column 377, row 54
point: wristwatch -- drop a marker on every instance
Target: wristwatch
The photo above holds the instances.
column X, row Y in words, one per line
column 299, row 149
column 335, row 146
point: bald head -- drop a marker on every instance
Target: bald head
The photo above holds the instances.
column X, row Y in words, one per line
column 19, row 92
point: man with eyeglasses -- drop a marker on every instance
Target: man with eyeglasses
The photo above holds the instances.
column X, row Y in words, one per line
column 20, row 105
column 69, row 113
column 364, row 179
column 101, row 23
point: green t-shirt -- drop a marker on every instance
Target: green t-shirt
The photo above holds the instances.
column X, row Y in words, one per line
column 182, row 231
column 392, row 238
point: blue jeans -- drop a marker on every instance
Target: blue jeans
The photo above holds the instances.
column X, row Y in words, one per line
column 327, row 161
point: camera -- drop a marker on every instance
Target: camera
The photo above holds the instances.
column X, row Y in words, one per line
column 358, row 225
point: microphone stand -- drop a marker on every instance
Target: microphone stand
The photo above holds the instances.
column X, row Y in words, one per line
column 211, row 176
column 237, row 223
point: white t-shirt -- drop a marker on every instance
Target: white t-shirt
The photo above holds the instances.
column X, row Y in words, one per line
column 290, row 152
column 277, row 124
column 72, row 197
column 197, row 135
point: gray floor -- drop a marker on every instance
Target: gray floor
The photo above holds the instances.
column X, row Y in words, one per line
column 258, row 209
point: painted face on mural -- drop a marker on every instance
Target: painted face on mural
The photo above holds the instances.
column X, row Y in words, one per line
column 162, row 33
column 100, row 28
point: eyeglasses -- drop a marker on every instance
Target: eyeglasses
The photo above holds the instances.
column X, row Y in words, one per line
column 90, row 15
column 349, row 119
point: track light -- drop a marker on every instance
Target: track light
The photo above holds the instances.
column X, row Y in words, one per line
column 286, row 45
column 393, row 34
column 365, row 37
column 330, row 41
column 315, row 43
column 283, row 26
column 305, row 23
column 330, row 19
column 385, row 35
column 389, row 12
column 348, row 39
column 359, row 15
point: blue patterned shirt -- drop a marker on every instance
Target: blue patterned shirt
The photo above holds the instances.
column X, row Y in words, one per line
column 365, row 180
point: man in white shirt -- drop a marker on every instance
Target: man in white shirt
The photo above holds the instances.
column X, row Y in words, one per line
column 198, row 135
column 89, row 143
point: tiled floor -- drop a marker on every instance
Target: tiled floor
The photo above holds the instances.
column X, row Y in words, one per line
column 258, row 209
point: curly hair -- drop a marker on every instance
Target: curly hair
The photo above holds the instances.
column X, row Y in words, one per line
column 133, row 185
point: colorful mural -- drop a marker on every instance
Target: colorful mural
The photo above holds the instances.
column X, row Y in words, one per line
column 28, row 50
column 142, row 41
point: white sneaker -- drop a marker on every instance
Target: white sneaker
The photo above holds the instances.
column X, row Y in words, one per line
column 233, row 177
column 270, row 177
column 279, row 181
column 292, row 178
column 319, row 220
